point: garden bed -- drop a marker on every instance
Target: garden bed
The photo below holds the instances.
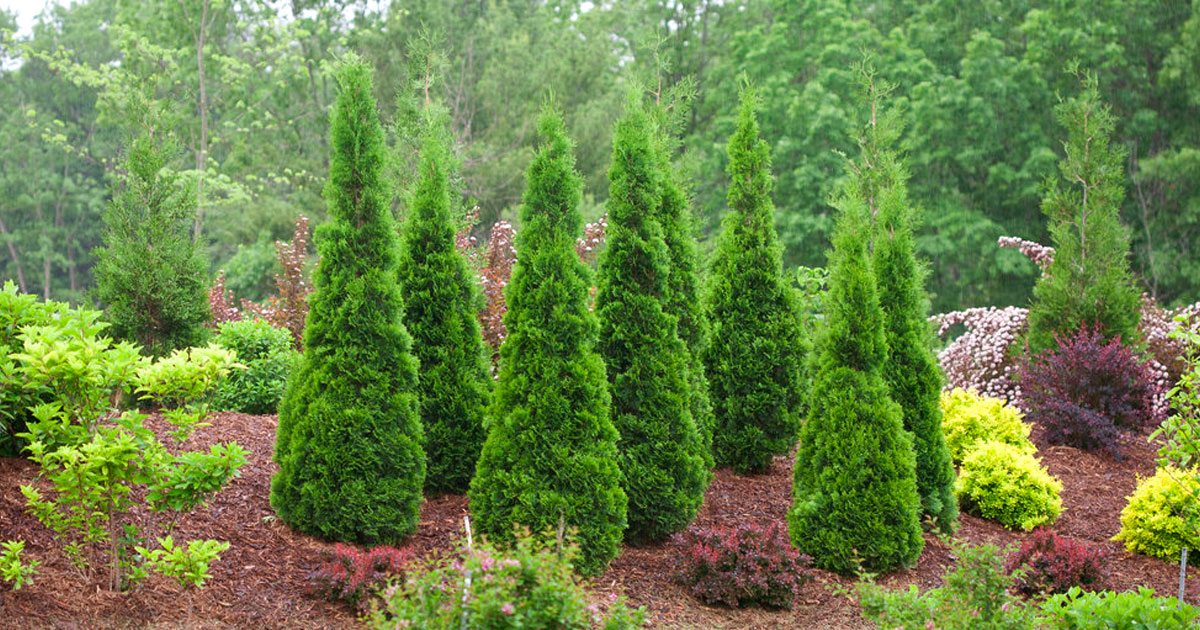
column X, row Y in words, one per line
column 260, row 582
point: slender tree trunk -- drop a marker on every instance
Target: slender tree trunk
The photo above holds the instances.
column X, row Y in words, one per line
column 16, row 256
column 202, row 149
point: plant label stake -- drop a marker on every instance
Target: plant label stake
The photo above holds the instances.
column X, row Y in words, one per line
column 1182, row 573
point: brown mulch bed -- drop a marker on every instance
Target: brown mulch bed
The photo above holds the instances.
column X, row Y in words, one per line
column 260, row 582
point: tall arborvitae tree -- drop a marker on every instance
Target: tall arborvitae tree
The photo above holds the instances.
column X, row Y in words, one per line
column 912, row 372
column 551, row 451
column 349, row 440
column 440, row 302
column 151, row 275
column 681, row 297
column 856, row 503
column 662, row 453
column 1089, row 283
column 755, row 362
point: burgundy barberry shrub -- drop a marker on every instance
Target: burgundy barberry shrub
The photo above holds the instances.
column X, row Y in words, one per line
column 221, row 303
column 289, row 309
column 349, row 574
column 1087, row 390
column 744, row 566
column 1054, row 564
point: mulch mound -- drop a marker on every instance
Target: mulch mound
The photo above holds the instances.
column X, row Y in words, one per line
column 261, row 581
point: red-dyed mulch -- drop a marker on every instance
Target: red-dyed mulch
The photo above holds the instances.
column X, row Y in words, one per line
column 260, row 581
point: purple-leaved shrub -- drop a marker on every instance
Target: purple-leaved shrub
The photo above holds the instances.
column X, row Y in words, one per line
column 748, row 565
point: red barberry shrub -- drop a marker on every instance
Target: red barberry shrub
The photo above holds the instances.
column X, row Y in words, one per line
column 747, row 565
column 1087, row 390
column 351, row 575
column 1054, row 564
column 220, row 302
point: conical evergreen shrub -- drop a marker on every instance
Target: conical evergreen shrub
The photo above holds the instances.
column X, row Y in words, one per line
column 755, row 361
column 551, row 450
column 856, row 503
column 440, row 302
column 349, row 439
column 661, row 452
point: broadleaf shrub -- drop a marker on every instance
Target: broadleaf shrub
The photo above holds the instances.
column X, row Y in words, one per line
column 1079, row 610
column 1088, row 390
column 969, row 419
column 1155, row 521
column 267, row 353
column 1054, row 564
column 352, row 575
column 1001, row 482
column 13, row 569
column 748, row 565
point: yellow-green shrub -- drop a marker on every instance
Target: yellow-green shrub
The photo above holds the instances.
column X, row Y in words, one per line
column 1004, row 483
column 968, row 419
column 1151, row 523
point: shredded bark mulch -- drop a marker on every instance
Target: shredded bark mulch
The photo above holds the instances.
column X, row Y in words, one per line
column 261, row 581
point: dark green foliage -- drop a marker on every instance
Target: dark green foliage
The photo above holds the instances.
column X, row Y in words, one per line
column 856, row 503
column 911, row 371
column 551, row 449
column 267, row 353
column 349, row 440
column 1089, row 283
column 440, row 302
column 755, row 362
column 150, row 275
column 661, row 451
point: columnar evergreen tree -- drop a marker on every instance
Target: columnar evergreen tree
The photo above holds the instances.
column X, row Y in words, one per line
column 661, row 450
column 550, row 456
column 755, row 362
column 856, row 504
column 349, row 439
column 440, row 302
column 151, row 275
column 912, row 373
column 1088, row 283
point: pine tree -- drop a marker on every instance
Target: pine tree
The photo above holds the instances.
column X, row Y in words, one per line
column 661, row 450
column 440, row 302
column 755, row 362
column 856, row 503
column 1088, row 283
column 151, row 274
column 912, row 373
column 551, row 450
column 349, row 439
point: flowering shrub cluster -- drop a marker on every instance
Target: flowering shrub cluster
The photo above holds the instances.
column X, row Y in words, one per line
column 979, row 358
column 593, row 236
column 349, row 574
column 1088, row 390
column 1041, row 255
column 1054, row 564
column 743, row 566
column 498, row 261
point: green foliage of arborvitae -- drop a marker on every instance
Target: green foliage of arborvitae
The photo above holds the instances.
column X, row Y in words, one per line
column 440, row 302
column 662, row 452
column 551, row 450
column 1089, row 283
column 911, row 371
column 151, row 275
column 856, row 502
column 349, row 440
column 755, row 361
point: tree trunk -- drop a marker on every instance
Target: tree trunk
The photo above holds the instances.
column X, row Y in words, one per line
column 16, row 257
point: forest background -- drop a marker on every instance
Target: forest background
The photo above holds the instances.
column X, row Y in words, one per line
column 247, row 87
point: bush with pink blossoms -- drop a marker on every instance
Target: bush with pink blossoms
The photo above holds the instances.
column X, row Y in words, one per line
column 748, row 565
column 980, row 358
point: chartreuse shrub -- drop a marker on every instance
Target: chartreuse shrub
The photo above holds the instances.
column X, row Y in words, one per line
column 747, row 565
column 856, row 505
column 183, row 384
column 530, row 586
column 13, row 569
column 1156, row 520
column 551, row 449
column 348, row 445
column 267, row 354
column 1141, row 610
column 661, row 452
column 1053, row 564
column 969, row 419
column 1003, row 483
column 755, row 361
column 440, row 305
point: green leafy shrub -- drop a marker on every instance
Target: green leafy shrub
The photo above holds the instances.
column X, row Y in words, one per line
column 532, row 587
column 183, row 384
column 267, row 353
column 969, row 419
column 976, row 597
column 12, row 569
column 1155, row 521
column 1001, row 482
column 186, row 565
column 1078, row 610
